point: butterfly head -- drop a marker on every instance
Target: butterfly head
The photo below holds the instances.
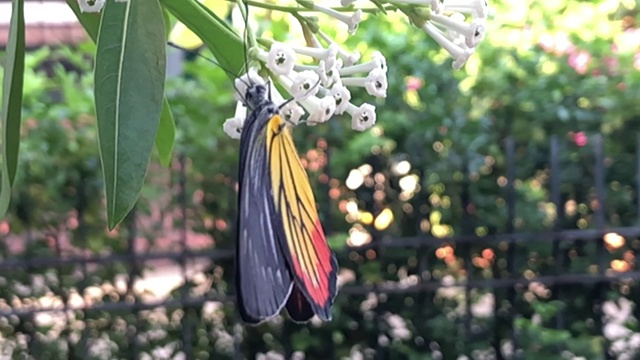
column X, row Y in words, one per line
column 256, row 96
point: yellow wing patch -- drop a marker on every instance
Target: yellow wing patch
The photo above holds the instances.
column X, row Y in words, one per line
column 295, row 203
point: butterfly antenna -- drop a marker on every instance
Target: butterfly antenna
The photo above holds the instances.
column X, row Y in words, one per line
column 303, row 96
column 198, row 54
column 227, row 71
column 269, row 90
column 245, row 36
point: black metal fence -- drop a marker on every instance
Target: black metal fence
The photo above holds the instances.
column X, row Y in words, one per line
column 57, row 303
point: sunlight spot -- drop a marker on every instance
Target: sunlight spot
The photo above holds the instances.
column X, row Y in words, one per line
column 383, row 220
column 355, row 179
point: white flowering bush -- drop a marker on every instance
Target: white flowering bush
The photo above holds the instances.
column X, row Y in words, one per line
column 321, row 89
column 314, row 71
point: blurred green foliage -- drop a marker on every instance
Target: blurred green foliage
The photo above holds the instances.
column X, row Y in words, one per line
column 569, row 69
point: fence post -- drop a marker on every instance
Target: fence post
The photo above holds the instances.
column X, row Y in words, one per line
column 600, row 287
column 81, row 205
column 186, row 322
column 511, row 199
column 636, row 309
column 134, row 272
column 467, row 229
column 556, row 199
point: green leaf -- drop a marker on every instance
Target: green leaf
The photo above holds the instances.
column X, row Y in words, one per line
column 129, row 87
column 13, row 77
column 226, row 45
column 166, row 132
column 166, row 16
column 165, row 138
column 90, row 21
column 216, row 17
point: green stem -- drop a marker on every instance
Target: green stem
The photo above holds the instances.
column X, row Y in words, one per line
column 417, row 16
column 398, row 4
column 266, row 42
column 289, row 9
column 251, row 40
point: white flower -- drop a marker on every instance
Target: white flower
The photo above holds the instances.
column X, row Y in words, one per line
column 85, row 7
column 414, row 2
column 634, row 341
column 473, row 32
column 459, row 62
column 460, row 54
column 280, row 59
column 247, row 80
column 233, row 126
column 377, row 55
column 304, row 84
column 377, row 62
column 455, row 36
column 352, row 21
column 356, row 18
column 477, row 8
column 483, row 308
column 346, row 2
column 328, row 55
column 292, row 112
column 436, row 6
column 328, row 76
column 613, row 331
column 320, row 110
column 375, row 83
column 362, row 117
column 342, row 96
column 348, row 58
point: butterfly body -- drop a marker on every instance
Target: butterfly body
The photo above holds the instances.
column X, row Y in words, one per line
column 282, row 257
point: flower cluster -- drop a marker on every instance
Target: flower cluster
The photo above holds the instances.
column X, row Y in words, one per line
column 447, row 24
column 320, row 90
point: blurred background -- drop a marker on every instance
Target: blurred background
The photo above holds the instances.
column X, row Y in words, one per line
column 492, row 213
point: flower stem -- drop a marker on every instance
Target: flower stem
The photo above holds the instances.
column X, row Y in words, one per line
column 291, row 9
column 250, row 36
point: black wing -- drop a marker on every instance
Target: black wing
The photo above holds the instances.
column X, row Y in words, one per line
column 263, row 280
column 298, row 306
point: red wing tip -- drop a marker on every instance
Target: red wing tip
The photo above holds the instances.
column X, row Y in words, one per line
column 323, row 307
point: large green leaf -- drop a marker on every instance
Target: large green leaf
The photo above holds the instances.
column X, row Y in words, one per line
column 226, row 45
column 13, row 77
column 165, row 138
column 129, row 87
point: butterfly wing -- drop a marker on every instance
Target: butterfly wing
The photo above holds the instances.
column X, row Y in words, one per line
column 263, row 279
column 304, row 245
column 298, row 307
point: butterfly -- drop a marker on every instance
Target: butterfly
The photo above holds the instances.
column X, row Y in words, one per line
column 282, row 255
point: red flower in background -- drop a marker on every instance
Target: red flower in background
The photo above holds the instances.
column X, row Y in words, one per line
column 580, row 139
column 414, row 83
column 579, row 61
column 558, row 44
